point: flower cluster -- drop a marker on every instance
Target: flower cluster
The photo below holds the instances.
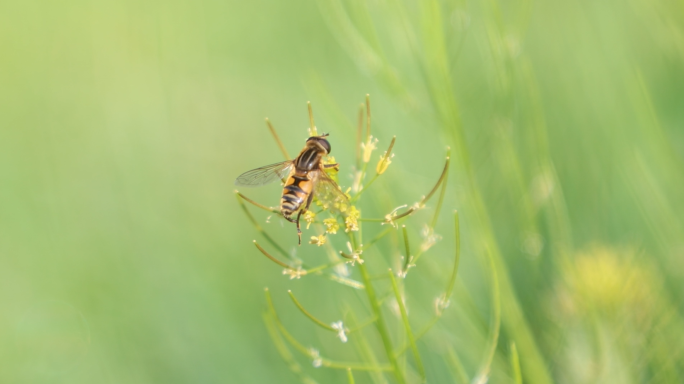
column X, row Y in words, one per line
column 351, row 221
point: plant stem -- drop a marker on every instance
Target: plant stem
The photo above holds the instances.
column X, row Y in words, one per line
column 380, row 324
column 407, row 326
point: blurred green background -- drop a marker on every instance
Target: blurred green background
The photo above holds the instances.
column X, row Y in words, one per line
column 125, row 258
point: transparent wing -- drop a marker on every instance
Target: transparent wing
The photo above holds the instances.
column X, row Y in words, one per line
column 328, row 194
column 264, row 175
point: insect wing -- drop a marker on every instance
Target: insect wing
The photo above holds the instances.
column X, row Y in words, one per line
column 328, row 194
column 264, row 175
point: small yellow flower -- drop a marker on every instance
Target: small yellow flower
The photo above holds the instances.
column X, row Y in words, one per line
column 351, row 222
column 329, row 160
column 309, row 217
column 368, row 148
column 384, row 162
column 318, row 240
column 331, row 225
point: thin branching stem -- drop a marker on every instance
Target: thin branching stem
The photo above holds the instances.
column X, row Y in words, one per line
column 325, row 266
column 363, row 325
column 309, row 315
column 282, row 264
column 407, row 326
column 283, row 349
column 419, row 335
column 442, row 193
column 368, row 117
column 359, row 130
column 407, row 248
column 443, row 301
column 381, row 326
column 391, row 218
column 277, row 139
column 309, row 352
column 457, row 258
column 254, row 203
column 379, row 170
column 377, row 238
column 260, row 229
column 306, row 269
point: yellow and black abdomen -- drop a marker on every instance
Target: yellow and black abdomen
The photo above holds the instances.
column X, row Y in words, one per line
column 295, row 193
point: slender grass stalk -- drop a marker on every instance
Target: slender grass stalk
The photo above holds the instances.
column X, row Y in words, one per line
column 312, row 124
column 458, row 366
column 277, row 139
column 260, row 229
column 457, row 258
column 425, row 199
column 442, row 193
column 407, row 248
column 380, row 169
column 515, row 365
column 261, row 206
column 350, row 376
column 310, row 353
column 363, row 325
column 306, row 269
column 283, row 350
column 309, row 315
column 380, row 325
column 443, row 301
column 495, row 325
column 377, row 238
column 324, row 266
column 282, row 264
column 407, row 326
column 368, row 117
column 366, row 352
column 359, row 130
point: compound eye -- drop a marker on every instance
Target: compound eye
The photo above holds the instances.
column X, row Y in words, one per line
column 326, row 145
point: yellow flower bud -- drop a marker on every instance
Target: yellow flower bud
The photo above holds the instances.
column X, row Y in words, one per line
column 331, row 225
column 318, row 240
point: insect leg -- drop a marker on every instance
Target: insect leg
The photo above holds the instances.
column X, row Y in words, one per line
column 299, row 230
column 303, row 210
column 336, row 166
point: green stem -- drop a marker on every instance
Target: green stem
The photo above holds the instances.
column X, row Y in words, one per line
column 380, row 325
column 407, row 326
column 308, row 351
column 407, row 257
column 309, row 315
column 495, row 325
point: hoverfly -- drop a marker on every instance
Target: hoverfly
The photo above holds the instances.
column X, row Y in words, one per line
column 304, row 176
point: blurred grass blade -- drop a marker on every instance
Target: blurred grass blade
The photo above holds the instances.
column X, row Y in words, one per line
column 515, row 365
column 277, row 139
column 457, row 366
column 309, row 315
column 495, row 324
column 407, row 326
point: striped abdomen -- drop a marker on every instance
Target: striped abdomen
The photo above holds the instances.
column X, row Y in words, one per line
column 295, row 193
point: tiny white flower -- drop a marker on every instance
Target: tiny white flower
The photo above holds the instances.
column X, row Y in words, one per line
column 389, row 218
column 316, row 356
column 294, row 273
column 341, row 331
column 440, row 305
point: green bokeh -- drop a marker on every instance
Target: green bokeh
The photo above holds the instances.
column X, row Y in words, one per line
column 125, row 258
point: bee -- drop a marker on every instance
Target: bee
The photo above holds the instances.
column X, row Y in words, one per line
column 304, row 176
